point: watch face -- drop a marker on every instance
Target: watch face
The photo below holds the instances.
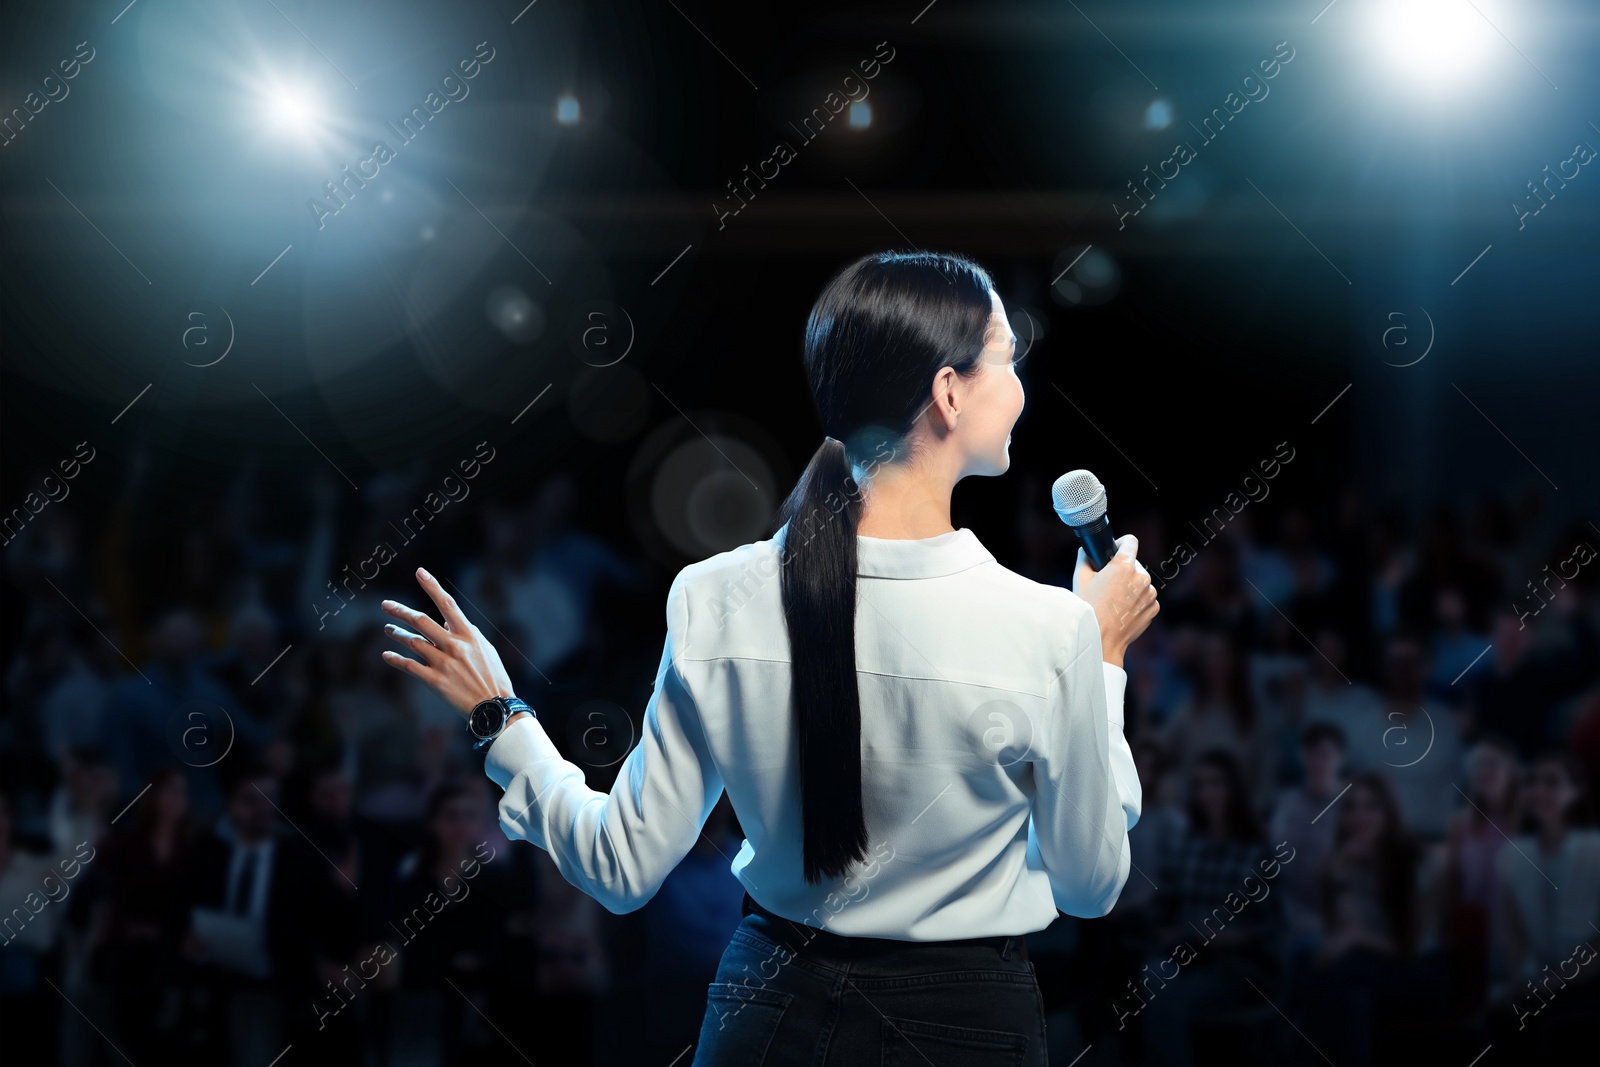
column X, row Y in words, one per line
column 486, row 719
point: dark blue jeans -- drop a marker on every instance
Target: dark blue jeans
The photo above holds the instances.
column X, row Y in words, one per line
column 787, row 993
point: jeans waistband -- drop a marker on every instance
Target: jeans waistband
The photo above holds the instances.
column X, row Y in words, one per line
column 808, row 939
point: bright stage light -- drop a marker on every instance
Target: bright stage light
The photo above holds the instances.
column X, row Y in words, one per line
column 567, row 110
column 860, row 115
column 1434, row 41
column 292, row 109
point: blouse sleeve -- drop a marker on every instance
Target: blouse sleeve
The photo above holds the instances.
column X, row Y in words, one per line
column 1087, row 793
column 617, row 847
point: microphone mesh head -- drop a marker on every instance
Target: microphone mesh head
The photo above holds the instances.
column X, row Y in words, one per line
column 1079, row 497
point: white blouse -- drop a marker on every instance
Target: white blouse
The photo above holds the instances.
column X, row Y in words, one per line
column 997, row 784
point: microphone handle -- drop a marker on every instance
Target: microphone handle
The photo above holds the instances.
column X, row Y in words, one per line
column 1099, row 543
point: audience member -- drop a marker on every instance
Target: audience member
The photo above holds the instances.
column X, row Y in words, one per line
column 1371, row 919
column 1549, row 890
column 1301, row 818
column 1221, row 714
column 258, row 906
column 1207, row 906
column 1549, row 881
column 143, row 917
column 1419, row 749
column 29, row 927
column 1467, row 883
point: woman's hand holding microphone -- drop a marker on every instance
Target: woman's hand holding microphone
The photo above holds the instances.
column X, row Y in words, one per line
column 1121, row 595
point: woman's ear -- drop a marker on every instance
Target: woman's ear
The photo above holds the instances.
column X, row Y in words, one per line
column 944, row 404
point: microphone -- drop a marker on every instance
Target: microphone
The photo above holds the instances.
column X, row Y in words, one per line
column 1080, row 501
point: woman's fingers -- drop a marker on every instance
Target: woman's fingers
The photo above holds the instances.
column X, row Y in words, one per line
column 410, row 666
column 443, row 601
column 455, row 659
column 415, row 642
column 420, row 622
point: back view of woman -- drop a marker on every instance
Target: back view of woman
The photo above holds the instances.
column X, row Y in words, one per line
column 924, row 749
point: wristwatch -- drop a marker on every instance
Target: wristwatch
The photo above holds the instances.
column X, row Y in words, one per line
column 488, row 719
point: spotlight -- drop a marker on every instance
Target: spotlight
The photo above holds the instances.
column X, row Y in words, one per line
column 1158, row 116
column 1433, row 41
column 291, row 109
column 860, row 115
column 567, row 110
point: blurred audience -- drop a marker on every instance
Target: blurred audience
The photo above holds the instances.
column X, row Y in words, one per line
column 271, row 832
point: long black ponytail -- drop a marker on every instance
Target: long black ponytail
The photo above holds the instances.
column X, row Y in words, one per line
column 878, row 333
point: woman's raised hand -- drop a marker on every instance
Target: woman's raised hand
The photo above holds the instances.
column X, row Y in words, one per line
column 1121, row 595
column 454, row 658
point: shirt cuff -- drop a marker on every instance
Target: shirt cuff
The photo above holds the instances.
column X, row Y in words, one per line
column 1116, row 688
column 518, row 747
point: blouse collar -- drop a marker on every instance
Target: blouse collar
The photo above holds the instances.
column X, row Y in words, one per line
column 923, row 557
